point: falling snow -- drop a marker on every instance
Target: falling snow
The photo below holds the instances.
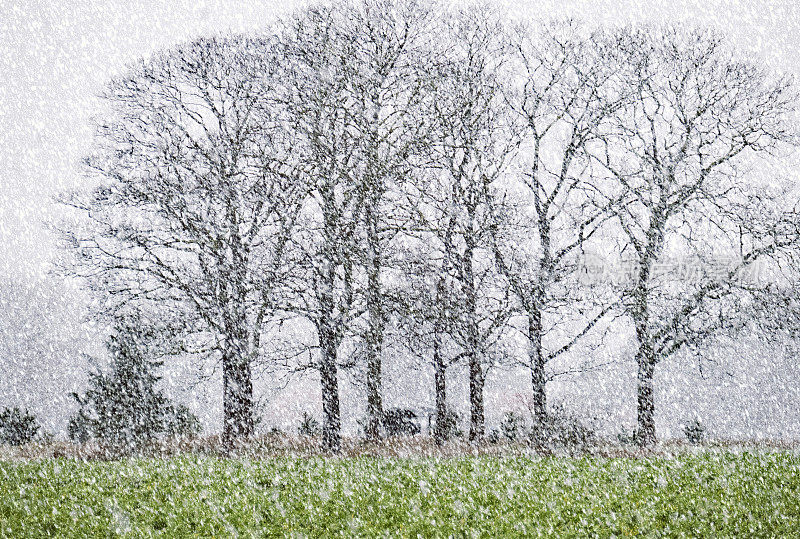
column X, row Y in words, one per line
column 420, row 268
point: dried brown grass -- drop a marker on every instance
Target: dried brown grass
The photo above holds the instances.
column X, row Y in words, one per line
column 275, row 445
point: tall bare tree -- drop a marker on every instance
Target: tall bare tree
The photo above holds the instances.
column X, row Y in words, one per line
column 390, row 42
column 473, row 143
column 681, row 153
column 425, row 303
column 561, row 89
column 318, row 100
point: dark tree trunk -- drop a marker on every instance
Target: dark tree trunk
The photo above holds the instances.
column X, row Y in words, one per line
column 238, row 421
column 374, row 398
column 440, row 386
column 476, row 374
column 237, row 381
column 375, row 325
column 645, row 401
column 328, row 322
column 331, row 437
column 645, row 355
column 439, row 368
column 535, row 329
column 538, row 380
column 476, row 382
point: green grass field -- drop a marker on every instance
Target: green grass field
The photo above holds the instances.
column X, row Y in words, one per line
column 710, row 494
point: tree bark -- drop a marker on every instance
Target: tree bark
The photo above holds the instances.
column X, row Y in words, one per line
column 375, row 323
column 328, row 322
column 645, row 355
column 238, row 421
column 476, row 374
column 476, row 383
column 645, row 402
column 331, row 437
column 374, row 397
column 439, row 377
column 536, row 356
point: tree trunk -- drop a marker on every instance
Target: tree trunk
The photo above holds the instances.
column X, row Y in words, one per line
column 645, row 355
column 374, row 397
column 439, row 369
column 331, row 437
column 237, row 381
column 238, row 421
column 535, row 329
column 440, row 386
column 375, row 324
column 645, row 361
column 328, row 324
column 538, row 380
column 476, row 383
column 476, row 374
column 645, row 401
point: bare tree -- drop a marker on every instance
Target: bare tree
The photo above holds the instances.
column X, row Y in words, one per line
column 679, row 153
column 424, row 303
column 193, row 209
column 473, row 143
column 318, row 102
column 386, row 90
column 561, row 90
column 356, row 89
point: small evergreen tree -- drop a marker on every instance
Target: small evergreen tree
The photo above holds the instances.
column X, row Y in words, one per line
column 122, row 408
column 309, row 426
column 17, row 427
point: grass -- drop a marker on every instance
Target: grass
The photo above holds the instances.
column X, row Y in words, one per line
column 706, row 494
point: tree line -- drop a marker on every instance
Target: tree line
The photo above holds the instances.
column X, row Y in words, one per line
column 370, row 175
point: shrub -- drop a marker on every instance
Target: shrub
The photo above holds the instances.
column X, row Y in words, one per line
column 400, row 421
column 626, row 436
column 512, row 426
column 694, row 431
column 17, row 427
column 451, row 421
column 562, row 431
column 79, row 428
column 494, row 436
column 309, row 426
column 276, row 432
column 181, row 422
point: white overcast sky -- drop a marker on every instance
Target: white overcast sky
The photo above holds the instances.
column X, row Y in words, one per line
column 55, row 57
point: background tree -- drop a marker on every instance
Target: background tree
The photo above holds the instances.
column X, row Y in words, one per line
column 193, row 208
column 422, row 306
column 385, row 89
column 472, row 144
column 317, row 100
